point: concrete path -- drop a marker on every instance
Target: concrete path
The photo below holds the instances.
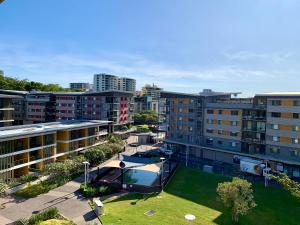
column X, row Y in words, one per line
column 66, row 198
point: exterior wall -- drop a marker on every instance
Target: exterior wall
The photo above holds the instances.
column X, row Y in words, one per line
column 80, row 86
column 184, row 119
column 283, row 128
column 6, row 112
column 267, row 128
column 21, row 155
column 65, row 107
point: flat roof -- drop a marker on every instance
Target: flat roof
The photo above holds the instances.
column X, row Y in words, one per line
column 283, row 93
column 10, row 96
column 25, row 130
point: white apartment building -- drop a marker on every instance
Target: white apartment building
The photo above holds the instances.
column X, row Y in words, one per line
column 108, row 82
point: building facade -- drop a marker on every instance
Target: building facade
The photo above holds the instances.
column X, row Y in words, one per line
column 108, row 82
column 80, row 86
column 6, row 110
column 263, row 128
column 29, row 148
column 41, row 107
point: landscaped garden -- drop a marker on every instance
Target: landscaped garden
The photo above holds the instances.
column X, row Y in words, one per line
column 63, row 171
column 194, row 192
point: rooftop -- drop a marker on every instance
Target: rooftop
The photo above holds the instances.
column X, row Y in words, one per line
column 24, row 130
column 287, row 94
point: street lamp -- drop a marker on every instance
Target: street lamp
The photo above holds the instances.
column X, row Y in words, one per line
column 86, row 175
column 162, row 171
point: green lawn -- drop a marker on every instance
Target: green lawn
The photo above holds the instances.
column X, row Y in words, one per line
column 193, row 191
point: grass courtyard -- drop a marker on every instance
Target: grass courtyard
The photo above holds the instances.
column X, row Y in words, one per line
column 194, row 192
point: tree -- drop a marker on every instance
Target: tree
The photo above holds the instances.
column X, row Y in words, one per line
column 146, row 117
column 236, row 195
column 292, row 186
column 94, row 156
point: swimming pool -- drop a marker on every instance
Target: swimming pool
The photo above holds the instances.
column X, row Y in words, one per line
column 140, row 177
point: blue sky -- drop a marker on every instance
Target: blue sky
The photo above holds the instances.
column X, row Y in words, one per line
column 188, row 45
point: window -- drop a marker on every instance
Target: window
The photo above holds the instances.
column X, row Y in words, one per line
column 191, row 110
column 209, row 121
column 296, row 115
column 180, row 109
column 296, row 103
column 180, row 118
column 276, row 102
column 220, row 112
column 209, row 141
column 220, row 122
column 295, row 128
column 235, row 113
column 276, row 114
column 233, row 144
column 275, row 150
column 295, row 140
column 275, row 126
column 234, row 134
column 210, row 111
column 275, row 138
column 294, row 153
column 234, row 123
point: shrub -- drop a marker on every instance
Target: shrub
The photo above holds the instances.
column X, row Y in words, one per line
column 28, row 178
column 56, row 222
column 143, row 129
column 34, row 190
column 3, row 188
column 114, row 139
column 91, row 191
column 47, row 214
column 116, row 148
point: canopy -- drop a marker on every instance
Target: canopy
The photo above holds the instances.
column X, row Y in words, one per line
column 154, row 167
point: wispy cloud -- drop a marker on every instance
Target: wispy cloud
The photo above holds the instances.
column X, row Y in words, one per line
column 65, row 67
column 275, row 57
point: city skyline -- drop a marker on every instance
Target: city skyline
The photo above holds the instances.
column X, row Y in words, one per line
column 178, row 45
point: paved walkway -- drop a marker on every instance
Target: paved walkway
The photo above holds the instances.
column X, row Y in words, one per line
column 66, row 198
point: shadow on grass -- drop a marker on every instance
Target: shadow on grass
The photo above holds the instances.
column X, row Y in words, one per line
column 133, row 198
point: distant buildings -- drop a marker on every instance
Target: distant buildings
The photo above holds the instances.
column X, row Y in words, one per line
column 40, row 107
column 29, row 148
column 149, row 99
column 212, row 126
column 80, row 86
column 107, row 82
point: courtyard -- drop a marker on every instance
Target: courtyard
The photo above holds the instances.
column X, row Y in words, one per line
column 194, row 192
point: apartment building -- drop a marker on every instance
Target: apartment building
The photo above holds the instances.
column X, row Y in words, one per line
column 126, row 84
column 29, row 148
column 223, row 124
column 116, row 106
column 40, row 107
column 185, row 115
column 108, row 82
column 80, row 86
column 262, row 128
column 6, row 110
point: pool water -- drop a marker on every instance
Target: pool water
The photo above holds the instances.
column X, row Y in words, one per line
column 140, row 177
